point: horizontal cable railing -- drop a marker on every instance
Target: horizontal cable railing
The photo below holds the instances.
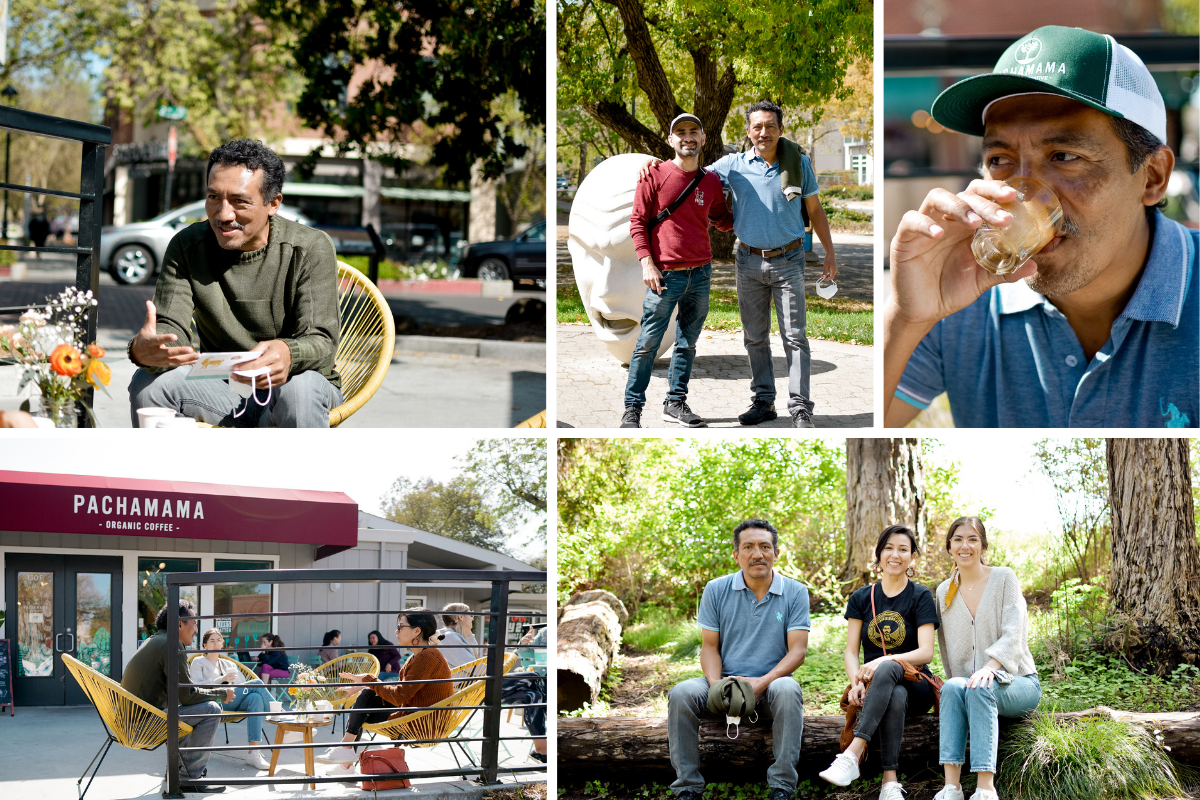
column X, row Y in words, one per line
column 491, row 679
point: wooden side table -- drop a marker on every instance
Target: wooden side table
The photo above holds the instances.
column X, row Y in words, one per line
column 304, row 725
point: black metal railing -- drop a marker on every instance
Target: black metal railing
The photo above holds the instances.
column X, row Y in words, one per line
column 90, row 196
column 492, row 707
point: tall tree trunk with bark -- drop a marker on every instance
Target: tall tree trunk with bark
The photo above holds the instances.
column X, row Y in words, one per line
column 885, row 485
column 1155, row 586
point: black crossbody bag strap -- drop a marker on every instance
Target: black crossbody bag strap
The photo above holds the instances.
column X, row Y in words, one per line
column 671, row 209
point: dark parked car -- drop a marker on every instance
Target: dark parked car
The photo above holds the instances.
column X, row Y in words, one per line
column 521, row 259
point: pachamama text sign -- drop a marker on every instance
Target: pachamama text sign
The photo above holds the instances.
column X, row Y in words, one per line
column 86, row 504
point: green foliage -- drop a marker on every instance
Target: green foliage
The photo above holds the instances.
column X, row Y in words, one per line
column 1087, row 759
column 1095, row 678
column 443, row 63
column 458, row 509
column 843, row 191
column 652, row 519
column 228, row 69
column 513, row 471
column 839, row 213
column 1078, row 471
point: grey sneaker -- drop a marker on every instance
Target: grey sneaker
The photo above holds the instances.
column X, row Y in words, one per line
column 949, row 792
column 689, row 794
column 802, row 418
column 679, row 412
column 632, row 417
column 779, row 794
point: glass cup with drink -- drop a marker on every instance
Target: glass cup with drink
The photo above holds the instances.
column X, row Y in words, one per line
column 1037, row 219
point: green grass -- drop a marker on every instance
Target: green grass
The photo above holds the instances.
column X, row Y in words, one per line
column 844, row 191
column 837, row 213
column 1086, row 759
column 840, row 319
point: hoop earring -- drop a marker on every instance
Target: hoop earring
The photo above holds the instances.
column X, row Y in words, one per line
column 910, row 572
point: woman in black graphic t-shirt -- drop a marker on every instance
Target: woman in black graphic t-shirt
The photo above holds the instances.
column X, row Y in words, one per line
column 900, row 627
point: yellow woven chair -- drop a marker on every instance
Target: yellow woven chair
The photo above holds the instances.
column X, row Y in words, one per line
column 127, row 720
column 443, row 722
column 357, row 663
column 247, row 675
column 538, row 420
column 368, row 338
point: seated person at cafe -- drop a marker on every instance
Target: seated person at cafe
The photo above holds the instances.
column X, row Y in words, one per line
column 272, row 663
column 380, row 702
column 145, row 678
column 384, row 651
column 251, row 281
column 329, row 646
column 248, row 696
column 457, row 631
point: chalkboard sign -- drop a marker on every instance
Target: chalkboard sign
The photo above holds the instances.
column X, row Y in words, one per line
column 6, row 692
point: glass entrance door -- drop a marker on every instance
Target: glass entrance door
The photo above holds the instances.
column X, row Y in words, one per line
column 64, row 604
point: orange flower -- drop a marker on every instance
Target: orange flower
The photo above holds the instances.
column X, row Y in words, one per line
column 96, row 351
column 98, row 374
column 65, row 360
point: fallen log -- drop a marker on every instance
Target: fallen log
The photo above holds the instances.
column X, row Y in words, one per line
column 638, row 746
column 589, row 633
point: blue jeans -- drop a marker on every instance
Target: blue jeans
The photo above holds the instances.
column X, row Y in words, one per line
column 192, row 763
column 686, row 289
column 978, row 711
column 250, row 696
column 303, row 402
column 687, row 704
column 759, row 280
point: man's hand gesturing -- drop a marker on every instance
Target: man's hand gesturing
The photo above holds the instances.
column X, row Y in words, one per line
column 152, row 350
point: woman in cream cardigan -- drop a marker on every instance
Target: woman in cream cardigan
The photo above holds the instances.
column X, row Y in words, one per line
column 989, row 670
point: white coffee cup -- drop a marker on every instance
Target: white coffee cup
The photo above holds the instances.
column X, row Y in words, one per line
column 276, row 706
column 175, row 422
column 149, row 417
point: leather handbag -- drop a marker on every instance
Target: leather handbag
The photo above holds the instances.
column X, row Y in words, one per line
column 384, row 762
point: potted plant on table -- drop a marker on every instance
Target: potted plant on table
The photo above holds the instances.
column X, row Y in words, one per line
column 305, row 698
column 48, row 346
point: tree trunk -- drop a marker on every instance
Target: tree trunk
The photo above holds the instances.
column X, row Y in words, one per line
column 630, row 745
column 885, row 485
column 1155, row 586
column 589, row 633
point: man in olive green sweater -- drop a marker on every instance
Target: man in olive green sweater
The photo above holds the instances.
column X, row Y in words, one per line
column 145, row 677
column 253, row 281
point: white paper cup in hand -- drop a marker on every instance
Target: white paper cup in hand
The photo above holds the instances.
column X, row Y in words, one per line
column 149, row 417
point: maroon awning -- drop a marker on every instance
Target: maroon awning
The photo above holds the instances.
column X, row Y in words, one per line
column 53, row 503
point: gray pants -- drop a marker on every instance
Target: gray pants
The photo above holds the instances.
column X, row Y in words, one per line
column 192, row 764
column 759, row 281
column 303, row 402
column 687, row 704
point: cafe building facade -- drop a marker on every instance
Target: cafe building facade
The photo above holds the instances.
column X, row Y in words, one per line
column 84, row 560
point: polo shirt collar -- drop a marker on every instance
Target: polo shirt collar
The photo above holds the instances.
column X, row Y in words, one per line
column 1160, row 292
column 750, row 156
column 739, row 582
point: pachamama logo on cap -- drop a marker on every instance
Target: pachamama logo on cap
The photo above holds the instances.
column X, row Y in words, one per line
column 1070, row 62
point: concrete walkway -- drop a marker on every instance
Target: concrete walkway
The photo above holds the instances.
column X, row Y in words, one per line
column 591, row 383
column 44, row 750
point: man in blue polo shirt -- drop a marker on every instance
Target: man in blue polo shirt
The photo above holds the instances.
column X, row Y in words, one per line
column 769, row 259
column 1101, row 328
column 754, row 625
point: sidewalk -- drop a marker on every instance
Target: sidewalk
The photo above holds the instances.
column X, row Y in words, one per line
column 432, row 383
column 43, row 751
column 591, row 384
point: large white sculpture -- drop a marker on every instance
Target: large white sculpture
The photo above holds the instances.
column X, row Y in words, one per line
column 607, row 270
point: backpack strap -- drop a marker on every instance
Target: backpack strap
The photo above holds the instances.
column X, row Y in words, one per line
column 875, row 620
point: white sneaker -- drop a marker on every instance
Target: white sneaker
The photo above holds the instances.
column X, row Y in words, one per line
column 843, row 770
column 256, row 759
column 891, row 791
column 985, row 794
column 949, row 792
column 337, row 755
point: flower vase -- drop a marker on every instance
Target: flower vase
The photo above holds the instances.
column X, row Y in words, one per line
column 60, row 412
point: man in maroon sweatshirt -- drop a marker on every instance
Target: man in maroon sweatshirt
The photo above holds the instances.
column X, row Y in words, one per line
column 676, row 267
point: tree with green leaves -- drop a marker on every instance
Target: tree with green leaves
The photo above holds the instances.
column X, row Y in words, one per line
column 513, row 472
column 232, row 72
column 458, row 508
column 627, row 63
column 443, row 62
column 1078, row 471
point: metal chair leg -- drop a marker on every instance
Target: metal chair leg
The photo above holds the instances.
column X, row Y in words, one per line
column 105, row 747
column 226, row 733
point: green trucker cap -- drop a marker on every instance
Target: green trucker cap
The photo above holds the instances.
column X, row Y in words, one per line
column 1085, row 66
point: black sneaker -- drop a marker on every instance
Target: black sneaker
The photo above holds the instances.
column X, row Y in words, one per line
column 632, row 417
column 779, row 794
column 200, row 788
column 679, row 412
column 690, row 794
column 759, row 411
column 802, row 418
